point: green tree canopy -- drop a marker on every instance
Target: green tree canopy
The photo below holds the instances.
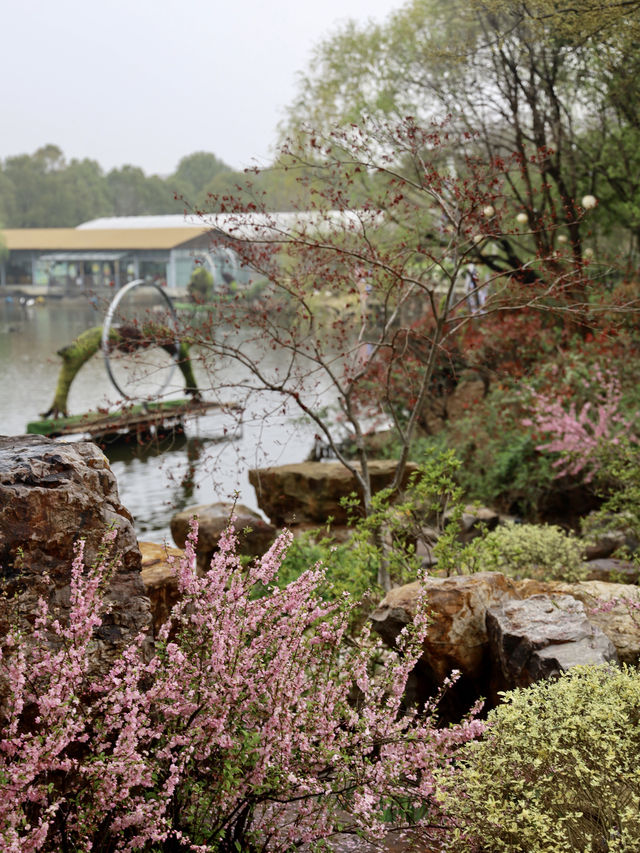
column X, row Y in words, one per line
column 551, row 86
column 132, row 193
column 34, row 201
column 42, row 190
column 194, row 172
column 286, row 185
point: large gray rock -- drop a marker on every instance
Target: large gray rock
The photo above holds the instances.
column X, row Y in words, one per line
column 255, row 535
column 51, row 495
column 608, row 535
column 311, row 491
column 616, row 619
column 612, row 570
column 458, row 638
column 542, row 636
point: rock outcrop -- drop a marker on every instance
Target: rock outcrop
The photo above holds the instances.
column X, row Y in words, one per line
column 457, row 637
column 311, row 491
column 608, row 535
column 541, row 637
column 612, row 570
column 255, row 535
column 615, row 619
column 51, row 495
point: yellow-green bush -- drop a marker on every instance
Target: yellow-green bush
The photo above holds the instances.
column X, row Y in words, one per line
column 541, row 551
column 557, row 770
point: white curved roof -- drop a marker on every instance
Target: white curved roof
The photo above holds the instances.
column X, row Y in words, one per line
column 244, row 226
column 178, row 220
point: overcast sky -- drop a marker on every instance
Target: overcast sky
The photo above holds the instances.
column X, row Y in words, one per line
column 147, row 81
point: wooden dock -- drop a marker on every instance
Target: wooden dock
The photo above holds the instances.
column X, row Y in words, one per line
column 140, row 420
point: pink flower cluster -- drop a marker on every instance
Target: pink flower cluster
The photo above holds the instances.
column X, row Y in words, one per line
column 252, row 724
column 578, row 436
column 624, row 602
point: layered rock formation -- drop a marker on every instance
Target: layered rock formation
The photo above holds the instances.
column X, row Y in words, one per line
column 159, row 579
column 457, row 638
column 460, row 635
column 311, row 491
column 615, row 618
column 541, row 637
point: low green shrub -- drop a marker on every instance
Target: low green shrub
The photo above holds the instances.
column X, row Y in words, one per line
column 426, row 513
column 200, row 287
column 346, row 570
column 383, row 545
column 555, row 772
column 541, row 551
column 618, row 483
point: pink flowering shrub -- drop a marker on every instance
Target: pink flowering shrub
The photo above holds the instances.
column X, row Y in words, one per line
column 252, row 725
column 579, row 435
column 629, row 604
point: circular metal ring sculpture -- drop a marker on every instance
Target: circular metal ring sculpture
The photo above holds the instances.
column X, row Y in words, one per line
column 106, row 331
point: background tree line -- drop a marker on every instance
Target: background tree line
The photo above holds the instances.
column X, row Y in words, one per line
column 551, row 87
column 45, row 190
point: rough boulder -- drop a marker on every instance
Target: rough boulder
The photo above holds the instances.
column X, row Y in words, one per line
column 311, row 491
column 543, row 636
column 255, row 535
column 51, row 495
column 159, row 579
column 606, row 607
column 457, row 636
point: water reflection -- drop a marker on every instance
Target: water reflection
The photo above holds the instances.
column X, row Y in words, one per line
column 206, row 463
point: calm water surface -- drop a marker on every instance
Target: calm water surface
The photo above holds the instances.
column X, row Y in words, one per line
column 154, row 481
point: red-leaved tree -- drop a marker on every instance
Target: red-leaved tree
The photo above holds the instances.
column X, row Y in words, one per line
column 359, row 301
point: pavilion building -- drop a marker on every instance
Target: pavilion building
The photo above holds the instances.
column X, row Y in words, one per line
column 113, row 251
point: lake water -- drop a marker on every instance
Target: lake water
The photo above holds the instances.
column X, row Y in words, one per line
column 154, row 481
